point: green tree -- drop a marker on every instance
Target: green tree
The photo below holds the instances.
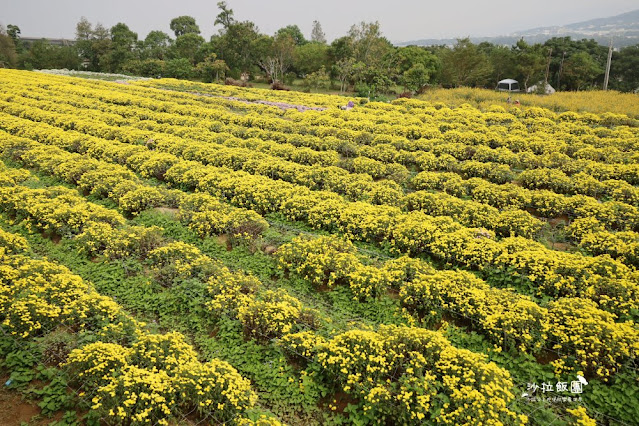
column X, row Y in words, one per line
column 83, row 39
column 317, row 80
column 239, row 45
column 156, row 45
column 94, row 44
column 14, row 32
column 41, row 55
column 374, row 56
column 344, row 69
column 502, row 60
column 341, row 48
column 153, row 68
column 212, row 69
column 581, row 70
column 66, row 57
column 123, row 42
column 563, row 48
column 186, row 46
column 409, row 56
column 370, row 81
column 122, row 36
column 531, row 62
column 179, row 68
column 624, row 74
column 277, row 57
column 205, row 50
column 310, row 57
column 294, row 32
column 464, row 65
column 416, row 77
column 368, row 44
column 8, row 54
column 145, row 68
column 225, row 17
column 184, row 25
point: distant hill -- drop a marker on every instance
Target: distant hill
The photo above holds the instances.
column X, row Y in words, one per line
column 624, row 29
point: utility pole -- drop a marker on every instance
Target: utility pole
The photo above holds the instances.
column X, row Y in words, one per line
column 607, row 77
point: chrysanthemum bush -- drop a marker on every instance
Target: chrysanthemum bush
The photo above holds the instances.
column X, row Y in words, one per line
column 159, row 377
column 512, row 320
column 38, row 296
column 409, row 375
column 264, row 314
column 128, row 374
column 203, row 213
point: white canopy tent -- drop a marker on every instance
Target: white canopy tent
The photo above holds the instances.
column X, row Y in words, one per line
column 508, row 85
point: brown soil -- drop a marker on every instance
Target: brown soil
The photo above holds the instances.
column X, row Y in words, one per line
column 224, row 240
column 547, row 357
column 270, row 250
column 393, row 293
column 13, row 409
column 55, row 238
column 563, row 220
column 340, row 400
column 171, row 211
column 533, row 212
column 458, row 321
column 561, row 246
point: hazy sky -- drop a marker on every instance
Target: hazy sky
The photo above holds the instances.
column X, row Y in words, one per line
column 401, row 20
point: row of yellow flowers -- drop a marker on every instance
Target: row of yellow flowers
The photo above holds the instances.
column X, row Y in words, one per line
column 468, row 213
column 585, row 337
column 454, row 144
column 409, row 375
column 388, row 194
column 559, row 274
column 156, row 377
column 101, row 231
column 614, row 215
column 128, row 374
column 459, row 150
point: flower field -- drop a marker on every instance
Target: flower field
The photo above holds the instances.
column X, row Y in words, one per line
column 589, row 101
column 176, row 252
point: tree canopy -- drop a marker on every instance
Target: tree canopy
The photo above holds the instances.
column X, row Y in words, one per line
column 362, row 60
column 184, row 25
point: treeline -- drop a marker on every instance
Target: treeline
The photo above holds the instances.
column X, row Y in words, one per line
column 363, row 60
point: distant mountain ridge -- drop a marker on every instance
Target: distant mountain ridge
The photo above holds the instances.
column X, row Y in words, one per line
column 623, row 28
